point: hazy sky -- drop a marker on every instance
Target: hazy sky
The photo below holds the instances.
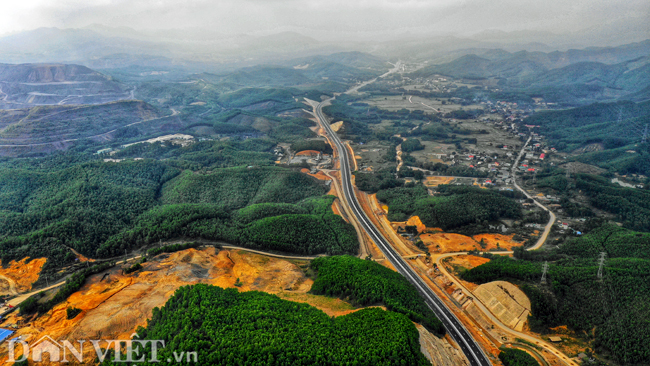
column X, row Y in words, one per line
column 322, row 18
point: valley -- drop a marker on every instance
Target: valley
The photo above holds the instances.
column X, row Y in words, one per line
column 466, row 200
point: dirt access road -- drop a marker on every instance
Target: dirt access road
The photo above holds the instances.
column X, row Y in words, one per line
column 15, row 302
column 551, row 221
column 515, row 334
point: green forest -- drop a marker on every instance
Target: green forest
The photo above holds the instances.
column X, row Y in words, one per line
column 364, row 282
column 101, row 209
column 226, row 327
column 452, row 208
column 516, row 357
column 616, row 127
column 612, row 312
column 305, row 226
column 631, row 206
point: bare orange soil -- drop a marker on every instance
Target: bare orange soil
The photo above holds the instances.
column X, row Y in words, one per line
column 80, row 256
column 450, row 242
column 436, row 181
column 308, row 153
column 113, row 305
column 459, row 263
column 413, row 221
column 336, row 126
column 319, row 175
column 19, row 276
column 467, row 261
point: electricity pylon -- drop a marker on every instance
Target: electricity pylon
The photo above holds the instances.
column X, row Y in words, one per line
column 601, row 262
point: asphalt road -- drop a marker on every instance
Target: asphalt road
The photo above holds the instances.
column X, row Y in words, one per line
column 454, row 327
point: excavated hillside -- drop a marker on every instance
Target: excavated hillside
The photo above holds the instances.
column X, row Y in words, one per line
column 112, row 305
column 27, row 85
column 18, row 276
column 49, row 128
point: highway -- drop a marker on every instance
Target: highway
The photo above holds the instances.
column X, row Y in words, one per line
column 454, row 327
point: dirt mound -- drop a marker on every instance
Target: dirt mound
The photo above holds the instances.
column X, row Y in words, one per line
column 308, row 153
column 506, row 301
column 415, row 221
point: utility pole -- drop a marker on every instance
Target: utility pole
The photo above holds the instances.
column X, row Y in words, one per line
column 125, row 256
column 544, row 271
column 601, row 262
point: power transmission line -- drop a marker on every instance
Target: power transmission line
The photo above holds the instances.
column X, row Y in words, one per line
column 544, row 271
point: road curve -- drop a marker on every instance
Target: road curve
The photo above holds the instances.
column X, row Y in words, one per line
column 454, row 327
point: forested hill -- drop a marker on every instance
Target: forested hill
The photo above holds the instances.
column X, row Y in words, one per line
column 226, row 327
column 338, row 68
column 572, row 77
column 100, row 209
column 522, row 64
column 616, row 308
column 365, row 282
column 616, row 128
column 454, row 208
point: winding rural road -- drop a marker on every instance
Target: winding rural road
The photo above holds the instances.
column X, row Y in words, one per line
column 454, row 327
column 551, row 221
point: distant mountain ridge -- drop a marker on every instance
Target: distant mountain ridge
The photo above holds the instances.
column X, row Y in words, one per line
column 491, row 62
column 342, row 67
column 594, row 73
column 86, row 45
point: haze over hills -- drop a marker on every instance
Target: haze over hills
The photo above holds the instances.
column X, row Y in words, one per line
column 337, row 67
column 87, row 46
column 595, row 73
column 203, row 49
